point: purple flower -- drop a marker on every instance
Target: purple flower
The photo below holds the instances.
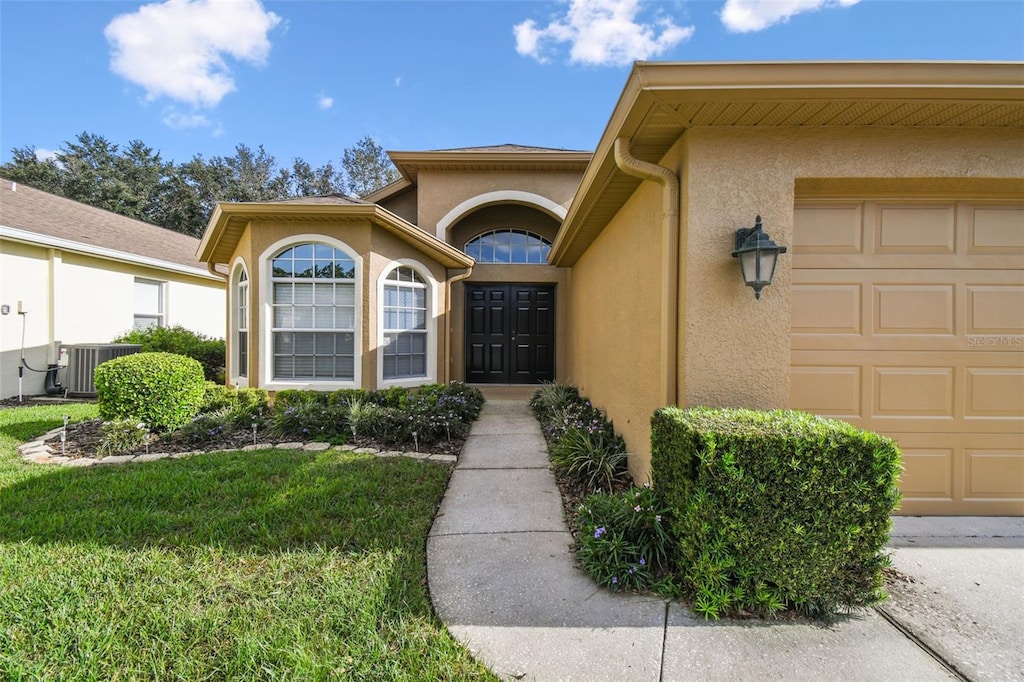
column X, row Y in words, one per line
column 615, row 581
column 599, row 532
column 643, row 562
column 637, row 508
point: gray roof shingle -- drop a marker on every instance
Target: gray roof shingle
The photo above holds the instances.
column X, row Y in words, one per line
column 32, row 210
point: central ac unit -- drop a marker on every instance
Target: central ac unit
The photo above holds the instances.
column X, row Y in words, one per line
column 83, row 360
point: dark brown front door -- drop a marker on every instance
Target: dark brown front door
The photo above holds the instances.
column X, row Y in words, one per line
column 510, row 333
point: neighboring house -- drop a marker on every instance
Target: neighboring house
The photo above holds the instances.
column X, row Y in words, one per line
column 898, row 189
column 74, row 274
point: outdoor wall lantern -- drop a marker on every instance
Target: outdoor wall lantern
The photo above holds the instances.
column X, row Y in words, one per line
column 758, row 255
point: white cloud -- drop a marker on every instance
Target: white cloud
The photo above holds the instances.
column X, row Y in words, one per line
column 745, row 16
column 177, row 48
column 45, row 154
column 601, row 32
column 398, row 82
column 324, row 102
column 183, row 121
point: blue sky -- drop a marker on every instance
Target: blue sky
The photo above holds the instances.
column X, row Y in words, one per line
column 308, row 79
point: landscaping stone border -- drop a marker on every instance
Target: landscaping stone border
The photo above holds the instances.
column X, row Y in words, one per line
column 40, row 451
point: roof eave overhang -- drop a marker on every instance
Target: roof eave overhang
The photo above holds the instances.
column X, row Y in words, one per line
column 229, row 221
column 410, row 163
column 37, row 239
column 672, row 87
column 389, row 190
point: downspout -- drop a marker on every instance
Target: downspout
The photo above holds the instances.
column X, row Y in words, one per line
column 212, row 269
column 644, row 170
column 448, row 320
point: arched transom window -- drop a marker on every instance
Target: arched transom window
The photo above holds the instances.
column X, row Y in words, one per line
column 405, row 325
column 314, row 313
column 509, row 246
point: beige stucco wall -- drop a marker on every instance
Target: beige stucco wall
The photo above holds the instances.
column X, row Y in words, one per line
column 77, row 298
column 441, row 191
column 489, row 218
column 377, row 249
column 403, row 204
column 614, row 303
column 733, row 349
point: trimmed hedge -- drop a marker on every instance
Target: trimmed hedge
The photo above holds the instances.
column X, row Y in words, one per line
column 775, row 510
column 162, row 390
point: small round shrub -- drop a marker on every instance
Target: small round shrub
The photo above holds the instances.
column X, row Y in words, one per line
column 162, row 390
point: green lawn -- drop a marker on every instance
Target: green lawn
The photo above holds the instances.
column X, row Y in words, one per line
column 269, row 565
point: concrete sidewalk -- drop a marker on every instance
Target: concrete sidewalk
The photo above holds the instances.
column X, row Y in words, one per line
column 503, row 580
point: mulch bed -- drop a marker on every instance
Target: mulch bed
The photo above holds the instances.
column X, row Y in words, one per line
column 83, row 438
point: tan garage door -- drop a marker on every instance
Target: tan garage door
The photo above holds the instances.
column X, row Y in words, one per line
column 908, row 320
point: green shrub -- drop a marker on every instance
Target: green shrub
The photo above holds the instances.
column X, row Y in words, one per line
column 591, row 459
column 119, row 436
column 551, row 397
column 207, row 351
column 224, row 410
column 210, row 425
column 306, row 415
column 455, row 399
column 775, row 510
column 624, row 540
column 162, row 390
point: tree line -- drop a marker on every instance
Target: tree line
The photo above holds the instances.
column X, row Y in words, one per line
column 136, row 182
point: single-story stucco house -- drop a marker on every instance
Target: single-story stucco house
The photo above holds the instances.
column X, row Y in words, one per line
column 75, row 274
column 897, row 188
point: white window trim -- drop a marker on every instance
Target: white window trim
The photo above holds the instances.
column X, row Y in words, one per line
column 162, row 288
column 238, row 266
column 266, row 333
column 433, row 306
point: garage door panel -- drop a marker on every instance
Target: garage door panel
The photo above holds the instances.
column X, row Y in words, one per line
column 994, row 393
column 962, row 473
column 928, row 473
column 903, row 229
column 829, row 229
column 834, row 391
column 995, row 309
column 914, row 309
column 915, row 329
column 993, row 474
column 909, row 392
column 827, row 308
column 996, row 230
column 897, row 235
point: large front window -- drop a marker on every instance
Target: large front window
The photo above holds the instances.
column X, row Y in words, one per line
column 509, row 246
column 314, row 310
column 405, row 325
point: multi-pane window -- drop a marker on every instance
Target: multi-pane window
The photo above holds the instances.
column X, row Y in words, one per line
column 509, row 246
column 405, row 325
column 242, row 317
column 314, row 307
column 149, row 303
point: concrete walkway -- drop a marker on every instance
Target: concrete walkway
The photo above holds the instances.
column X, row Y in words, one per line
column 503, row 580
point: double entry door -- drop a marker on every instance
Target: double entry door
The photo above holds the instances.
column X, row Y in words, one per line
column 510, row 333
